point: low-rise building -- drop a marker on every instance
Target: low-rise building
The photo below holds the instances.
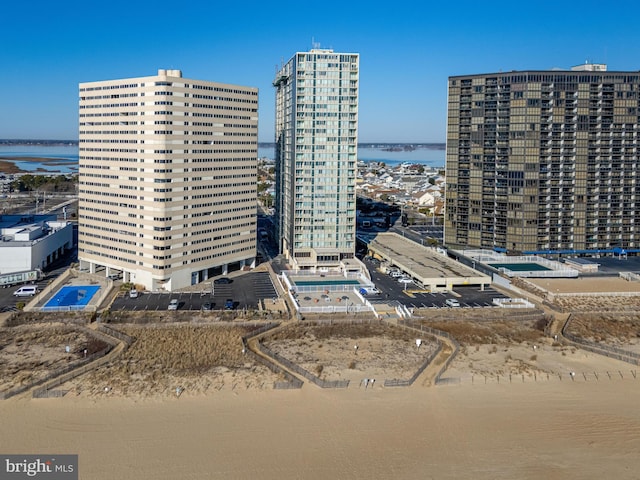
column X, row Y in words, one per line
column 31, row 242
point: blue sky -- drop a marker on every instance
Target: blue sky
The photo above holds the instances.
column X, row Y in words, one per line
column 407, row 51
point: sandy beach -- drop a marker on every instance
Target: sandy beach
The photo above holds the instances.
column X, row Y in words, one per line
column 509, row 406
column 536, row 426
column 553, row 430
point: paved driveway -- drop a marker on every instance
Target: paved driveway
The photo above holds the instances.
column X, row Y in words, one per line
column 245, row 290
column 411, row 295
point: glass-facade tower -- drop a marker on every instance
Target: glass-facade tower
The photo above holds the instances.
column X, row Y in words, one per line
column 316, row 157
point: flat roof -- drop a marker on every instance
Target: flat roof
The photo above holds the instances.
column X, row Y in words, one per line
column 580, row 261
column 424, row 263
column 549, row 72
column 15, row 221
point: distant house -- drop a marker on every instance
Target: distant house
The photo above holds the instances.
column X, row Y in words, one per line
column 385, row 178
column 423, row 199
column 381, row 192
column 435, row 190
column 437, row 179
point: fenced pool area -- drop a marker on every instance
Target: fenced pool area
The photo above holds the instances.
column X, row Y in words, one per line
column 325, row 283
column 306, row 282
column 313, row 292
column 72, row 297
column 520, row 267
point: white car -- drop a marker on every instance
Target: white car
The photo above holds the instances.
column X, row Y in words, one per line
column 405, row 280
column 29, row 291
column 173, row 304
column 369, row 291
column 452, row 302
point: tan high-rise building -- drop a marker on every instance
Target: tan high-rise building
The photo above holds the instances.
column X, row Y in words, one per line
column 167, row 178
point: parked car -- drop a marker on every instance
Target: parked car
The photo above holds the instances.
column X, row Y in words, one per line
column 28, row 291
column 229, row 304
column 405, row 279
column 133, row 293
column 206, row 306
column 369, row 291
column 173, row 304
column 452, row 302
column 222, row 281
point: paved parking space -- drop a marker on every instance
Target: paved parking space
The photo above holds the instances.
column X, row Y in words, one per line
column 413, row 297
column 432, row 231
column 469, row 297
column 615, row 265
column 8, row 301
column 245, row 290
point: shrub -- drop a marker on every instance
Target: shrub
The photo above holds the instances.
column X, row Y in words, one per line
column 542, row 323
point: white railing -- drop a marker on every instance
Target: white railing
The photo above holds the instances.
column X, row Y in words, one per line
column 323, row 288
column 595, row 294
column 351, row 308
column 513, row 303
column 630, row 276
column 310, row 273
column 69, row 308
column 564, row 273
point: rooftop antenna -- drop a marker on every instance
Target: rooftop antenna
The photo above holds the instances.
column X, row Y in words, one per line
column 314, row 44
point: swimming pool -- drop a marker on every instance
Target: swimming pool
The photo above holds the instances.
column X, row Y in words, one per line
column 323, row 283
column 520, row 267
column 73, row 295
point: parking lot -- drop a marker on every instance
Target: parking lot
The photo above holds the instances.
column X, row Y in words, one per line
column 430, row 231
column 244, row 291
column 8, row 301
column 412, row 296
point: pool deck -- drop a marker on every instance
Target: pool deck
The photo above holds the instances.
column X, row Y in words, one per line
column 326, row 291
column 73, row 278
column 520, row 267
column 73, row 296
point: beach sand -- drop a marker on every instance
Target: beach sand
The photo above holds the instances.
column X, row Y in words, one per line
column 551, row 430
column 543, row 427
